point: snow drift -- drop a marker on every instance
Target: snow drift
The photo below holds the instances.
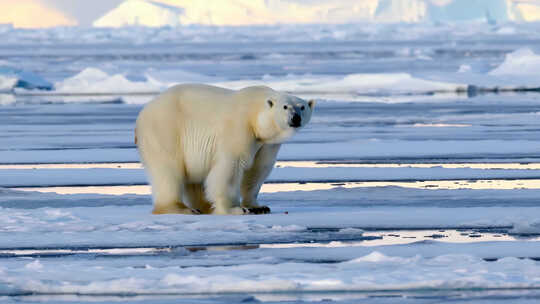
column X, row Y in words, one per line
column 353, row 84
column 523, row 62
column 96, row 81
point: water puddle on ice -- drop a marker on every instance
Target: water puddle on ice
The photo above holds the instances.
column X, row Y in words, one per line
column 398, row 237
column 368, row 239
column 309, row 186
column 296, row 164
column 285, row 187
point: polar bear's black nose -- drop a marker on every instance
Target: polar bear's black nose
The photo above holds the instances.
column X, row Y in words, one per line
column 296, row 121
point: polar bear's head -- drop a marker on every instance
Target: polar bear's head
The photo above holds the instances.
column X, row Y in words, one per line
column 280, row 115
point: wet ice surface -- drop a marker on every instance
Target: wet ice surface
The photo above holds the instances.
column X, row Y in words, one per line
column 392, row 195
column 326, row 245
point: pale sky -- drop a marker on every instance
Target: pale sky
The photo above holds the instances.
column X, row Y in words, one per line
column 46, row 13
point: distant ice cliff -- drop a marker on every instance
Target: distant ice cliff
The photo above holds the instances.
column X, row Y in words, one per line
column 158, row 13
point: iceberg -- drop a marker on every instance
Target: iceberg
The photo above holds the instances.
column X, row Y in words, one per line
column 492, row 11
column 11, row 78
column 141, row 12
column 522, row 62
column 173, row 13
column 401, row 10
column 240, row 12
column 413, row 11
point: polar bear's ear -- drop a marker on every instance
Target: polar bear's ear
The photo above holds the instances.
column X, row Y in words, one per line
column 270, row 103
column 311, row 103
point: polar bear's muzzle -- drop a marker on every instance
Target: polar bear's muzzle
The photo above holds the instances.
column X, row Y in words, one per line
column 296, row 121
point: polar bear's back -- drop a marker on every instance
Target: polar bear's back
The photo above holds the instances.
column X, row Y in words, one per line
column 185, row 102
column 184, row 124
column 198, row 92
column 197, row 97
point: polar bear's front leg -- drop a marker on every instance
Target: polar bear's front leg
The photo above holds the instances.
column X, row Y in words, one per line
column 222, row 187
column 255, row 176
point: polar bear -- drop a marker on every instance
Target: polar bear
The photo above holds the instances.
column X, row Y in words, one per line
column 208, row 149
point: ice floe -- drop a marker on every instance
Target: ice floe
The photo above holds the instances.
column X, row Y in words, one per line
column 105, row 266
column 11, row 78
column 522, row 62
column 155, row 13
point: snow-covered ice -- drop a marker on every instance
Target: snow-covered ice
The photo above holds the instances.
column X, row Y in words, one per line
column 92, row 80
column 484, row 128
column 374, row 271
column 523, row 62
column 7, row 83
column 425, row 265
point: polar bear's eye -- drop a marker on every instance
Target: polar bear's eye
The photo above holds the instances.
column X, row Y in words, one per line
column 285, row 107
column 302, row 108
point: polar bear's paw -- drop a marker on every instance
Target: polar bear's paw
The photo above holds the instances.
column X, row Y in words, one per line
column 175, row 209
column 196, row 211
column 243, row 210
column 257, row 210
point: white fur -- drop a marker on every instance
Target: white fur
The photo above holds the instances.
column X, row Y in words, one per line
column 210, row 149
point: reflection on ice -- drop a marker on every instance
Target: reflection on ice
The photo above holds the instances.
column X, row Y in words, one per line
column 294, row 164
column 400, row 237
column 284, row 187
column 367, row 239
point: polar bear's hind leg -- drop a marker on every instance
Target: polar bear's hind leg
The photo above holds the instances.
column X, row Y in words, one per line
column 167, row 188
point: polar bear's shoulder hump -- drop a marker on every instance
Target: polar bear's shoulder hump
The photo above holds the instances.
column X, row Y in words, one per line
column 198, row 88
